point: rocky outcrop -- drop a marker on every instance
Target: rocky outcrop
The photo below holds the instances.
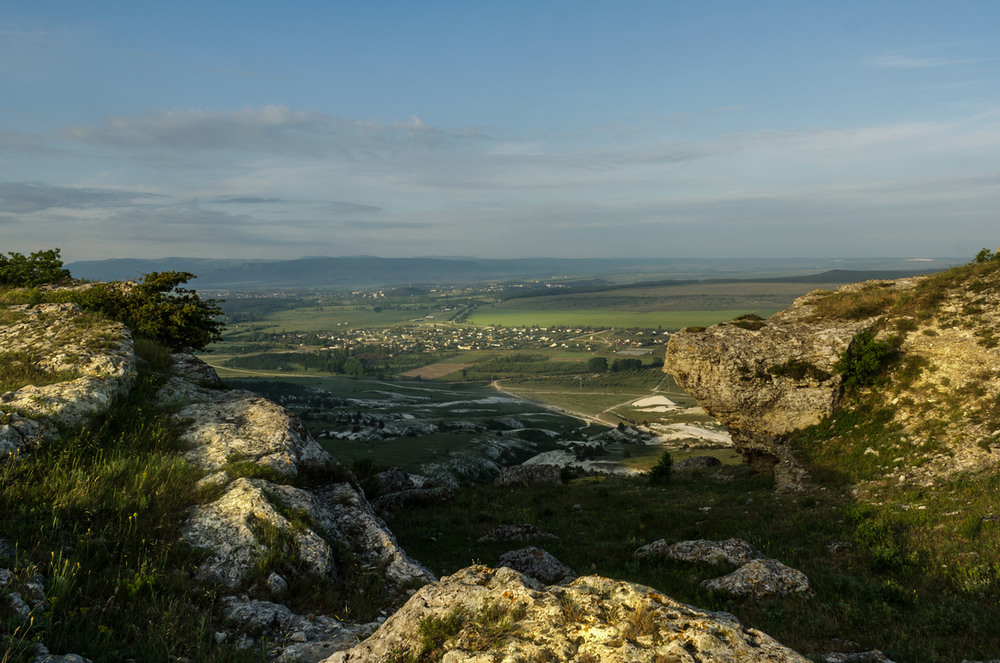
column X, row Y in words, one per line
column 89, row 362
column 246, row 433
column 487, row 614
column 765, row 379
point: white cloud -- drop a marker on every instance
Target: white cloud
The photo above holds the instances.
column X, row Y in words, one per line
column 271, row 129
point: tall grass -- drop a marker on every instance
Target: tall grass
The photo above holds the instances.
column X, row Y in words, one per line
column 98, row 512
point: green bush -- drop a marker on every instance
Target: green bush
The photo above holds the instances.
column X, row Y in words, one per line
column 866, row 359
column 157, row 308
column 660, row 474
column 27, row 272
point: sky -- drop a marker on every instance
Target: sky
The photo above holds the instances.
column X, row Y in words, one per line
column 508, row 129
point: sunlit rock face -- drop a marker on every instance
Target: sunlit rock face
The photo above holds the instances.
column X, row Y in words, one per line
column 764, row 380
column 89, row 361
column 502, row 615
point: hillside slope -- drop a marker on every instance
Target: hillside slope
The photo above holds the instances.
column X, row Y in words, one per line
column 148, row 513
column 918, row 354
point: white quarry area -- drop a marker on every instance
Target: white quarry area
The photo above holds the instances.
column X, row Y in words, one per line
column 682, row 432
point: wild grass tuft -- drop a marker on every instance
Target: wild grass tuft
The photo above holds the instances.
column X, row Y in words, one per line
column 98, row 511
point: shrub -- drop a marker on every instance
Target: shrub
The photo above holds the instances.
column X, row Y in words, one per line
column 27, row 272
column 660, row 474
column 749, row 321
column 157, row 308
column 866, row 359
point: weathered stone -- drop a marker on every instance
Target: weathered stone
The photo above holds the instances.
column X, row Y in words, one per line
column 523, row 532
column 761, row 579
column 731, row 551
column 226, row 528
column 695, row 463
column 239, row 426
column 394, row 480
column 873, row 656
column 591, row 619
column 290, row 637
column 413, row 496
column 538, row 564
column 96, row 355
column 529, row 475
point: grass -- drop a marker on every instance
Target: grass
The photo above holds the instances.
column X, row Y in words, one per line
column 97, row 513
column 18, row 369
column 888, row 590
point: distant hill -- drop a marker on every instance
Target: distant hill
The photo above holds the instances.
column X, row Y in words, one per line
column 368, row 271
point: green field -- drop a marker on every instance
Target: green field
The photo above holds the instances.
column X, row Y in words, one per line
column 327, row 318
column 669, row 320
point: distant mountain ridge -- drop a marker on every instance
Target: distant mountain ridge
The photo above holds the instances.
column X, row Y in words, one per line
column 370, row 271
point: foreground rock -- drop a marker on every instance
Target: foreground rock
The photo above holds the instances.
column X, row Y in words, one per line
column 501, row 615
column 256, row 519
column 91, row 361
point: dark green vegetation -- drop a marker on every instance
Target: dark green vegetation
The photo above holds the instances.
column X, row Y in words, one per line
column 913, row 582
column 19, row 271
column 157, row 307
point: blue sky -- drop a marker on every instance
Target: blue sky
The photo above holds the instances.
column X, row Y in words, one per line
column 499, row 129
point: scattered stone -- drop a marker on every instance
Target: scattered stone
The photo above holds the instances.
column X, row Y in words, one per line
column 837, row 547
column 392, row 501
column 394, row 480
column 42, row 655
column 276, row 584
column 761, row 579
column 529, row 475
column 523, row 532
column 696, row 463
column 873, row 656
column 608, row 620
column 731, row 551
column 290, row 637
column 538, row 564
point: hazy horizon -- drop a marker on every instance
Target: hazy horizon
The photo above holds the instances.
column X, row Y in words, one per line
column 499, row 130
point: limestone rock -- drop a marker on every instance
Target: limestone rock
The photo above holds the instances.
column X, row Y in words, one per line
column 591, row 619
column 529, row 475
column 731, row 551
column 695, row 463
column 737, row 375
column 392, row 501
column 96, row 357
column 229, row 527
column 394, row 480
column 538, row 564
column 761, row 579
column 290, row 637
column 522, row 532
column 238, row 425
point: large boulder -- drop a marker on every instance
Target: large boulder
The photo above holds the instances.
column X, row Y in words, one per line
column 483, row 614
